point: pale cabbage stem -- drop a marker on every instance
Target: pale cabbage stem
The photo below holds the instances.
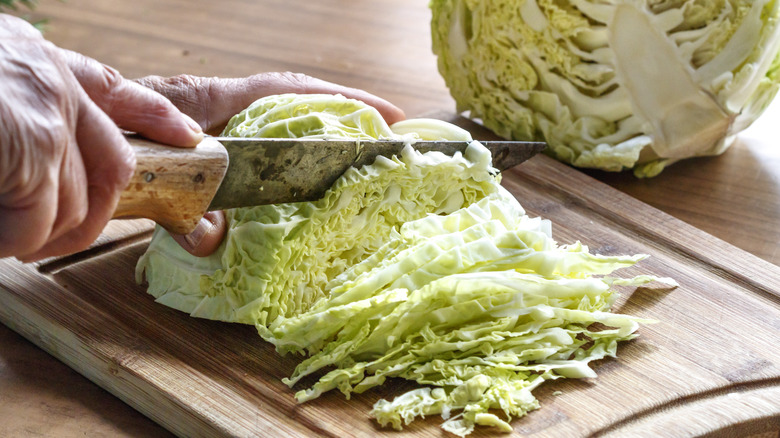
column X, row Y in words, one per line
column 684, row 119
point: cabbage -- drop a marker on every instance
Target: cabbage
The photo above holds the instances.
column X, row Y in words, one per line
column 277, row 259
column 611, row 84
column 420, row 266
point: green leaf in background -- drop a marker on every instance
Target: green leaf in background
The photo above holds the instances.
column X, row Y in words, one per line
column 14, row 4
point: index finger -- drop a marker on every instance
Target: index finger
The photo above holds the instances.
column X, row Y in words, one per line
column 132, row 106
column 213, row 101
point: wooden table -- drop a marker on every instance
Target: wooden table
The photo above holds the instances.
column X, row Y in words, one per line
column 382, row 46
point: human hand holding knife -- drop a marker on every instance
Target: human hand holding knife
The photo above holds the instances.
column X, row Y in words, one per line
column 175, row 187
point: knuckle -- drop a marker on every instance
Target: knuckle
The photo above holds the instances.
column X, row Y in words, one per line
column 180, row 88
column 111, row 78
column 151, row 81
column 187, row 89
column 47, row 81
column 192, row 94
column 183, row 81
column 296, row 81
column 103, row 84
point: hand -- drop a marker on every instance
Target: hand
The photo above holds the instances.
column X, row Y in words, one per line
column 63, row 158
column 213, row 101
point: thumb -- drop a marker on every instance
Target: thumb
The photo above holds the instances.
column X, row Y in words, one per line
column 207, row 237
column 132, row 106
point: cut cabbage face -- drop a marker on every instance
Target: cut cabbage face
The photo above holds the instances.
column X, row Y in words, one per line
column 611, row 84
column 420, row 266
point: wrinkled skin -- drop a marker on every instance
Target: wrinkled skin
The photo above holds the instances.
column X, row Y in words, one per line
column 63, row 158
column 213, row 101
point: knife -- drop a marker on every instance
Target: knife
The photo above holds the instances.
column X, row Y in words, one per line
column 176, row 186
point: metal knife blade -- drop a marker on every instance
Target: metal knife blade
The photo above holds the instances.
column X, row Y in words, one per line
column 270, row 171
column 176, row 186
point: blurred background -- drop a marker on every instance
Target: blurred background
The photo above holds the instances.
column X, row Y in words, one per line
column 386, row 52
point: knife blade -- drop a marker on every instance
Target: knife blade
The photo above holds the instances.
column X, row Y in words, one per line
column 176, row 186
column 291, row 170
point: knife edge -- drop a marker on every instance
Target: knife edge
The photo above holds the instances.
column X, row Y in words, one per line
column 269, row 171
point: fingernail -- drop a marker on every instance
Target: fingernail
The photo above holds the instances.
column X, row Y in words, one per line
column 193, row 124
column 196, row 236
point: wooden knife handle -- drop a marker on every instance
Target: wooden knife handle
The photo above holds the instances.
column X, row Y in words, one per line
column 173, row 186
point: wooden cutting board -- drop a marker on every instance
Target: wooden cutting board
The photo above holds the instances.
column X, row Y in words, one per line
column 710, row 366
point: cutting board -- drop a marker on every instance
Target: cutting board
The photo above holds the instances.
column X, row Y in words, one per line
column 710, row 366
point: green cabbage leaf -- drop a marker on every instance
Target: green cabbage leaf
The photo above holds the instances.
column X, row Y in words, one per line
column 611, row 84
column 419, row 267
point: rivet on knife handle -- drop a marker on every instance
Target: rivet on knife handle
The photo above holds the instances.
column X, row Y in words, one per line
column 173, row 186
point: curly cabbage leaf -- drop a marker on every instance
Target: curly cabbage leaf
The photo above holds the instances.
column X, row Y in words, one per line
column 421, row 267
column 615, row 84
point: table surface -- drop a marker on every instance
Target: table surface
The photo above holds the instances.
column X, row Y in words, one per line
column 382, row 46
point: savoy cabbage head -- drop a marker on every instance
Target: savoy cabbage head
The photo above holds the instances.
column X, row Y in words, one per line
column 611, row 84
column 420, row 266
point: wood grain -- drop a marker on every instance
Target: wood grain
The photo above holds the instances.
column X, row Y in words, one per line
column 205, row 378
column 382, row 46
column 173, row 186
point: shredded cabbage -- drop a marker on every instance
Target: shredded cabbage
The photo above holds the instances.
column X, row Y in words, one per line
column 420, row 266
column 611, row 84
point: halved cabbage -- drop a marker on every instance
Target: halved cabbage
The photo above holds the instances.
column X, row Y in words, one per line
column 611, row 84
column 420, row 267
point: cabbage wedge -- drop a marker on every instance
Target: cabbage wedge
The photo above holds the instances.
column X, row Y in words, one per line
column 420, row 267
